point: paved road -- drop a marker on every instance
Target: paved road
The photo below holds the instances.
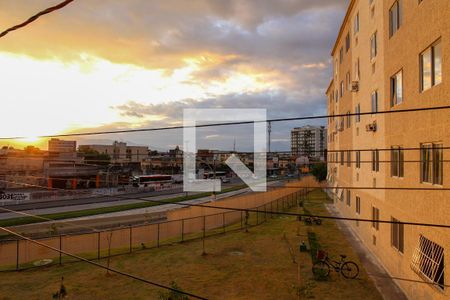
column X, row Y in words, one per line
column 107, row 199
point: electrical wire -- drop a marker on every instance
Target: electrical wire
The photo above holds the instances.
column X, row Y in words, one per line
column 231, row 123
column 35, row 17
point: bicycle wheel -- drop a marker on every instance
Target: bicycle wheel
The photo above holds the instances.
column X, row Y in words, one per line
column 321, row 269
column 349, row 270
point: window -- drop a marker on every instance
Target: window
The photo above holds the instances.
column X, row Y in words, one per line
column 358, row 112
column 431, row 163
column 374, row 101
column 341, row 55
column 358, row 159
column 349, row 158
column 356, row 24
column 357, row 69
column 397, row 162
column 373, row 45
column 342, row 89
column 395, row 17
column 428, row 261
column 336, row 97
column 397, row 89
column 336, row 67
column 431, row 66
column 375, row 160
column 342, row 158
column 397, row 235
column 349, row 199
column 358, row 205
column 348, row 81
column 348, row 120
column 375, row 218
column 347, row 42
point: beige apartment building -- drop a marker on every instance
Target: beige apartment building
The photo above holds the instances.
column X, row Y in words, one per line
column 120, row 152
column 394, row 55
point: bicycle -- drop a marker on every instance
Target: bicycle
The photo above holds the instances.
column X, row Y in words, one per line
column 348, row 269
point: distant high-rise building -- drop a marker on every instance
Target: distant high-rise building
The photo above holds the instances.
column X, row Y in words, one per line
column 309, row 141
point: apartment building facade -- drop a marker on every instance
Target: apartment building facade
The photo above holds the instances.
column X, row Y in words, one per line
column 394, row 55
column 309, row 141
column 120, row 152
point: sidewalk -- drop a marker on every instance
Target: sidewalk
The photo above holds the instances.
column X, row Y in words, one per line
column 385, row 285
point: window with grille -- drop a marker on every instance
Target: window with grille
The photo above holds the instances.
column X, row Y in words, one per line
column 349, row 199
column 397, row 235
column 428, row 261
column 431, row 163
column 375, row 218
column 397, row 162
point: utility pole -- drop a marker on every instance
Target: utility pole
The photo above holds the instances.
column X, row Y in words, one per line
column 269, row 129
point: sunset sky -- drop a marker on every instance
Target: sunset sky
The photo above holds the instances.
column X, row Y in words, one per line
column 111, row 64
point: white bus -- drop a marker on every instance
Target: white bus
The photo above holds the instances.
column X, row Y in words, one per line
column 154, row 182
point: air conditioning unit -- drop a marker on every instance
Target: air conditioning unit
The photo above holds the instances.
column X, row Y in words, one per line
column 355, row 86
column 371, row 127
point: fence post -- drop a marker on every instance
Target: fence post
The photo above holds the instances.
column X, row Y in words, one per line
column 223, row 222
column 242, row 224
column 182, row 230
column 265, row 212
column 98, row 245
column 157, row 242
column 257, row 215
column 204, row 235
column 131, row 239
column 17, row 254
column 271, row 209
column 60, row 249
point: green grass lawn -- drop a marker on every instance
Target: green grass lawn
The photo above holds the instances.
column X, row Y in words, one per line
column 238, row 265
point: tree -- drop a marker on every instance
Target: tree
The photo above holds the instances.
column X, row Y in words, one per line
column 319, row 171
column 93, row 156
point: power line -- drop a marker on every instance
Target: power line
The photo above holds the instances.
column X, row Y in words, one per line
column 100, row 265
column 232, row 123
column 36, row 16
